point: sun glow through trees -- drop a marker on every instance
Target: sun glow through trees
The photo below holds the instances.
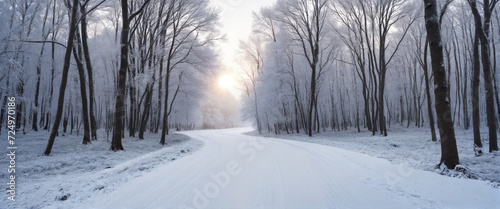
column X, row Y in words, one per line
column 226, row 82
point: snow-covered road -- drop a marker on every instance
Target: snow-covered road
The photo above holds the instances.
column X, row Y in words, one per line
column 233, row 170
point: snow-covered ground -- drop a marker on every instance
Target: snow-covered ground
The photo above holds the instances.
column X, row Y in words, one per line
column 412, row 146
column 75, row 173
column 229, row 169
column 234, row 170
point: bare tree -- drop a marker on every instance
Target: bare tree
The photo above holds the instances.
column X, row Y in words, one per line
column 45, row 35
column 449, row 153
column 482, row 31
column 116, row 142
column 192, row 27
column 306, row 20
column 88, row 64
column 252, row 52
column 64, row 79
column 77, row 54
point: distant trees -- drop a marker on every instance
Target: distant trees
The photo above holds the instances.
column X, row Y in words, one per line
column 297, row 32
column 306, row 21
column 192, row 28
column 376, row 52
column 381, row 46
column 370, row 45
column 310, row 33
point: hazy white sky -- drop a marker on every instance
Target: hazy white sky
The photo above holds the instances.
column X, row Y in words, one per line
column 236, row 18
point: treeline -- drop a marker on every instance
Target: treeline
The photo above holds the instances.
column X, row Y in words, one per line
column 127, row 67
column 318, row 65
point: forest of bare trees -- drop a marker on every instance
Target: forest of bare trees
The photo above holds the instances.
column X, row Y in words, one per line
column 309, row 66
column 127, row 67
column 336, row 65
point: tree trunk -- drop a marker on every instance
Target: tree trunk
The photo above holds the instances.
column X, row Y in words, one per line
column 53, row 65
column 449, row 153
column 428, row 93
column 2, row 110
column 165, row 127
column 64, row 78
column 39, row 71
column 494, row 77
column 485, row 58
column 490, row 103
column 366, row 98
column 256, row 103
column 147, row 108
column 133, row 103
column 88, row 64
column 37, row 90
column 476, row 71
column 160, row 83
column 116, row 141
column 65, row 120
column 311, row 102
column 383, row 70
column 77, row 54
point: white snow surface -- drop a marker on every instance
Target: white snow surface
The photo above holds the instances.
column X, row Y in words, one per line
column 409, row 146
column 76, row 173
column 233, row 170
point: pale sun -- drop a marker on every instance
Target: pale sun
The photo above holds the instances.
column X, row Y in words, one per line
column 226, row 82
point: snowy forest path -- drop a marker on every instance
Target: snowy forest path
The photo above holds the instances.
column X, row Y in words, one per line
column 234, row 170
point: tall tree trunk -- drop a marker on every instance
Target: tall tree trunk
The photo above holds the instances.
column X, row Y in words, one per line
column 297, row 128
column 77, row 54
column 428, row 92
column 133, row 105
column 449, row 153
column 116, row 142
column 256, row 104
column 39, row 71
column 165, row 127
column 88, row 64
column 37, row 89
column 163, row 34
column 147, row 108
column 160, row 83
column 383, row 70
column 476, row 71
column 483, row 30
column 494, row 77
column 311, row 102
column 490, row 103
column 64, row 78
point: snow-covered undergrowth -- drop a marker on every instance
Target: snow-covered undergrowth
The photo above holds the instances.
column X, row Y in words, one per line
column 413, row 147
column 74, row 173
